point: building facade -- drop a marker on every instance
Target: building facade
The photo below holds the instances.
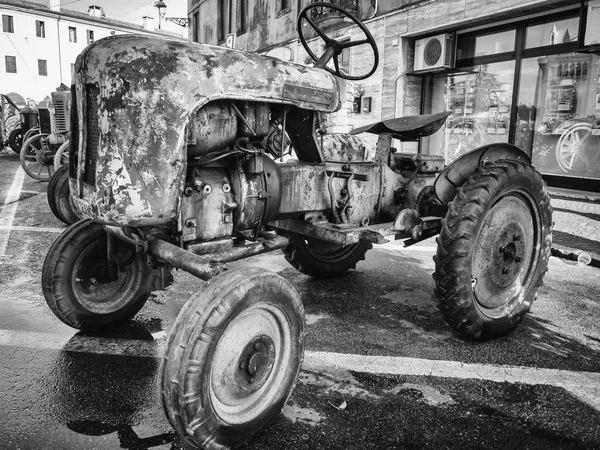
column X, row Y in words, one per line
column 39, row 44
column 524, row 72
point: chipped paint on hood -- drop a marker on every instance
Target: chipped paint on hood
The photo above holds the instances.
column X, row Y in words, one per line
column 146, row 89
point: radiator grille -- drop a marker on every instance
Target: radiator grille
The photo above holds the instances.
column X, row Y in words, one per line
column 45, row 121
column 74, row 139
column 60, row 116
column 92, row 133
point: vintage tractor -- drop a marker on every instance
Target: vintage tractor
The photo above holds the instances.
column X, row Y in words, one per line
column 38, row 151
column 175, row 161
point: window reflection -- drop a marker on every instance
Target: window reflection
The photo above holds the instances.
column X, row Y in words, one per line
column 552, row 33
column 559, row 114
column 489, row 44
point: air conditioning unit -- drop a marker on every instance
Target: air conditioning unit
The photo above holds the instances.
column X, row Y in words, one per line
column 434, row 53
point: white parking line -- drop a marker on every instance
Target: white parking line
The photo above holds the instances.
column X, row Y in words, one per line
column 7, row 215
column 585, row 386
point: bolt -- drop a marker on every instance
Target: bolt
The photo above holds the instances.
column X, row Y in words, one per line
column 502, row 249
column 93, row 281
column 207, row 189
column 505, row 270
column 226, row 188
column 516, row 238
column 242, row 365
column 251, row 380
column 518, row 259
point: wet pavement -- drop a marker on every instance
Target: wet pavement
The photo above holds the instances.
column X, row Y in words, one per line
column 382, row 369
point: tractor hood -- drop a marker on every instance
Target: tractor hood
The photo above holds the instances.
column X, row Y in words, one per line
column 134, row 96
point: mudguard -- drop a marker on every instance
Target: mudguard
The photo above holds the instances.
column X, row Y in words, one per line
column 456, row 173
column 134, row 97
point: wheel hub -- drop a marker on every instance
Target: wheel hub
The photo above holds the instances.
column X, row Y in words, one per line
column 503, row 253
column 256, row 363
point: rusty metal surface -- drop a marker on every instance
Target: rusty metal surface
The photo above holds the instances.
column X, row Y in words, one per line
column 456, row 173
column 307, row 188
column 344, row 147
column 135, row 96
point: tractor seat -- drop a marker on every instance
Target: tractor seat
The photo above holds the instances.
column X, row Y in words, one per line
column 407, row 128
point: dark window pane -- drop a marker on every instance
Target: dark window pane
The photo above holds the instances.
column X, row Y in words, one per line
column 8, row 24
column 490, row 44
column 40, row 29
column 43, row 67
column 11, row 64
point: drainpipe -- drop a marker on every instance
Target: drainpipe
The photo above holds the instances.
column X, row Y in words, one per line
column 59, row 51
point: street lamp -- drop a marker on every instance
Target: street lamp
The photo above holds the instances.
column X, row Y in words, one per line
column 161, row 7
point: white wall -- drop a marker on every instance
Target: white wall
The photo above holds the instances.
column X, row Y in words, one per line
column 55, row 48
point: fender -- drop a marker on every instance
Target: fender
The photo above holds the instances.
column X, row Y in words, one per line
column 134, row 98
column 455, row 174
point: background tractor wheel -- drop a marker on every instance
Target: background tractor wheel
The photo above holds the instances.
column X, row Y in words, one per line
column 493, row 249
column 83, row 289
column 59, row 198
column 61, row 157
column 233, row 357
column 15, row 140
column 37, row 159
column 321, row 259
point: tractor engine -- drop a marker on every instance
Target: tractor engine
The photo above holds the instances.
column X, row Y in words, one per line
column 232, row 187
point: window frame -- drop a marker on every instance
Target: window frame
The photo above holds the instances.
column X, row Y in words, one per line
column 13, row 60
column 40, row 29
column 73, row 35
column 8, row 23
column 89, row 35
column 43, row 63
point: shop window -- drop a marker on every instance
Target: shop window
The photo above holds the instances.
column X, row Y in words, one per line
column 480, row 100
column 72, row 34
column 40, row 29
column 8, row 25
column 559, row 114
column 10, row 62
column 471, row 46
column 552, row 33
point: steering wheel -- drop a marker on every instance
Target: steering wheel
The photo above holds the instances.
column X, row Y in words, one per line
column 334, row 48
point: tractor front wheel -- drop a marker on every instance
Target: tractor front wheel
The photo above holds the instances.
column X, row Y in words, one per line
column 59, row 198
column 493, row 249
column 233, row 358
column 85, row 289
column 37, row 159
column 321, row 259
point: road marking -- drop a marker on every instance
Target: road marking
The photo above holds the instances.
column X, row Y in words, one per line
column 7, row 215
column 585, row 386
column 31, row 229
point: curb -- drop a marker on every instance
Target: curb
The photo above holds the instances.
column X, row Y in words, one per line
column 572, row 254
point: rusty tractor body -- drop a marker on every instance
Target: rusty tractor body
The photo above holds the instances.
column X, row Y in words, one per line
column 178, row 158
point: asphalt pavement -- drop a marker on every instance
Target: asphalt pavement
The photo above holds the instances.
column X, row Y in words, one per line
column 382, row 369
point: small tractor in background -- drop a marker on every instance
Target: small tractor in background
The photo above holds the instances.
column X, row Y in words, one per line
column 39, row 150
column 175, row 161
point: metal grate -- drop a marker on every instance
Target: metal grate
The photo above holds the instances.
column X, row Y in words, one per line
column 92, row 133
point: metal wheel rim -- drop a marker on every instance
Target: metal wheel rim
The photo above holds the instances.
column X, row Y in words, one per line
column 504, row 254
column 33, row 162
column 570, row 146
column 237, row 402
column 100, row 297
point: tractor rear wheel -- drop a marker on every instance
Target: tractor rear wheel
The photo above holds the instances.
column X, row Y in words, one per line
column 493, row 249
column 321, row 259
column 83, row 288
column 233, row 358
column 59, row 198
